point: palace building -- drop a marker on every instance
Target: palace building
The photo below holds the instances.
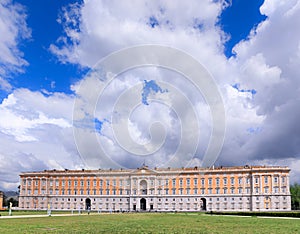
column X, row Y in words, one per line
column 245, row 188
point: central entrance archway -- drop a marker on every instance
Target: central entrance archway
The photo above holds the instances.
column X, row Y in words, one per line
column 87, row 204
column 143, row 204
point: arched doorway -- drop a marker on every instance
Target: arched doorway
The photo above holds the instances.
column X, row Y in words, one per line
column 203, row 204
column 143, row 204
column 88, row 204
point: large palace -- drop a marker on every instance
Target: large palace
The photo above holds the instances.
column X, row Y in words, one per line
column 246, row 188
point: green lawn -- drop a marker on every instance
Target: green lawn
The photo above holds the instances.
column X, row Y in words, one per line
column 149, row 223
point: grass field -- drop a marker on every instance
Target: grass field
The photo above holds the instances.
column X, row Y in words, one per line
column 149, row 223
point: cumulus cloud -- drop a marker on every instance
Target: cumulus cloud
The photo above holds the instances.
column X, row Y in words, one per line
column 13, row 29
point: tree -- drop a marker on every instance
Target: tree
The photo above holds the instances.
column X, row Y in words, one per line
column 295, row 196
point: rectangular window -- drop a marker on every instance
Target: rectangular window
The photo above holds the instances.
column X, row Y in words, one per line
column 217, row 191
column 88, row 183
column 266, row 179
column 81, row 191
column 195, row 191
column 240, row 180
column 225, row 181
column 180, row 182
column 50, row 183
column 63, row 183
column 256, row 180
column 121, row 183
column 202, row 182
column 256, row 190
column 167, row 191
column 81, row 183
column 173, row 182
column 174, row 191
column 95, row 183
column 188, row 181
column 247, row 180
column 210, row 190
column 114, row 182
column 218, row 181
column 266, row 189
column 107, row 191
column 107, row 182
column 101, row 183
column 75, row 183
column 209, row 181
column 275, row 179
column 283, row 179
column 225, row 191
column 202, row 191
column 56, row 183
column 36, row 182
column 188, row 191
column 195, row 181
column 240, row 190
column 232, row 180
column 69, row 183
column 232, row 190
column 167, row 182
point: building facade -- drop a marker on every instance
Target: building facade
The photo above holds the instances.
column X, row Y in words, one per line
column 246, row 188
column 1, row 200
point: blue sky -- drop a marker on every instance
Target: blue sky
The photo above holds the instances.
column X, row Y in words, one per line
column 48, row 50
column 47, row 72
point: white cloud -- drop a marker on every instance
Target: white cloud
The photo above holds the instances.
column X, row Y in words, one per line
column 13, row 29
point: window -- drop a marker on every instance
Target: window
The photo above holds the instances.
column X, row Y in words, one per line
column 56, row 183
column 81, row 183
column 75, row 183
column 167, row 182
column 217, row 191
column 101, row 183
column 275, row 179
column 256, row 190
column 225, row 181
column 240, row 180
column 232, row 190
column 188, row 182
column 114, row 182
column 36, row 182
column 69, row 183
column 195, row 181
column 210, row 190
column 173, row 191
column 256, row 180
column 50, row 183
column 121, row 183
column 167, row 191
column 202, row 191
column 232, row 180
column 240, row 190
column 173, row 182
column 283, row 179
column 202, row 181
column 276, row 189
column 218, row 181
column 88, row 183
column 187, row 191
column 107, row 191
column 180, row 182
column 266, row 179
column 209, row 181
column 195, row 191
column 81, row 191
column 225, row 190
column 62, row 183
column 247, row 180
